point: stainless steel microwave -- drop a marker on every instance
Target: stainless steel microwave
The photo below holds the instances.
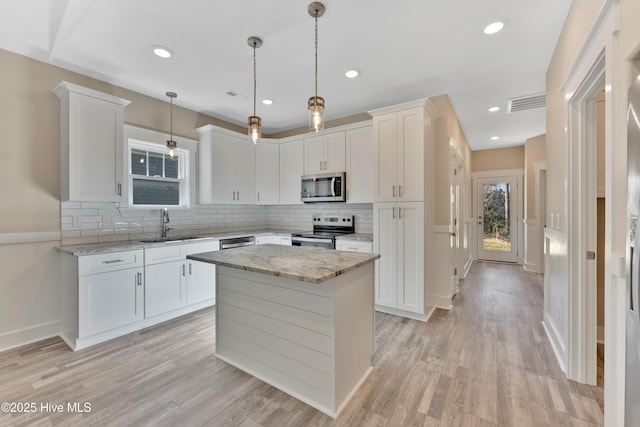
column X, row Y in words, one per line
column 324, row 187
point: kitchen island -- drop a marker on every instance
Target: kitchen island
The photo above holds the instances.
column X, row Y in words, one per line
column 298, row 318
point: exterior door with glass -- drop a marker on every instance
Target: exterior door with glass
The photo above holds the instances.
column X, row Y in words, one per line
column 497, row 213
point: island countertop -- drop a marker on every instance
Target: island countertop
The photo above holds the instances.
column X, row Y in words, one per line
column 307, row 264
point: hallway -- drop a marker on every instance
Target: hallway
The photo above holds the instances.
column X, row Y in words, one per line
column 486, row 362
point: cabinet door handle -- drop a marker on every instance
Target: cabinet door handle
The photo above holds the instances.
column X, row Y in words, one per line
column 393, row 212
column 183, row 270
column 234, row 194
column 111, row 261
column 258, row 196
column 190, row 272
column 139, row 278
column 325, row 165
column 238, row 193
column 393, row 190
column 119, row 189
column 320, row 164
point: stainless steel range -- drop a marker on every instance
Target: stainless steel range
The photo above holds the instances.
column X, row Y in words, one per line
column 325, row 230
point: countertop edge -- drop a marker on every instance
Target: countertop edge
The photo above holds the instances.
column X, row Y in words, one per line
column 316, row 280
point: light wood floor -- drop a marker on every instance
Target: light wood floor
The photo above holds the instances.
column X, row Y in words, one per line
column 486, row 362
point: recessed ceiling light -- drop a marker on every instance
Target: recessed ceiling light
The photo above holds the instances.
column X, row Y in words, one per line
column 267, row 101
column 494, row 109
column 162, row 52
column 493, row 27
column 493, row 138
column 352, row 74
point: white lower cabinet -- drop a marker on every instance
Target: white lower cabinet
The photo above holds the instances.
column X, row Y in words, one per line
column 354, row 246
column 108, row 295
column 173, row 282
column 201, row 276
column 109, row 300
column 165, row 287
column 102, row 296
column 399, row 231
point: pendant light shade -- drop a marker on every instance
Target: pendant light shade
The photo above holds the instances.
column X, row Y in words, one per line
column 171, row 144
column 316, row 103
column 255, row 122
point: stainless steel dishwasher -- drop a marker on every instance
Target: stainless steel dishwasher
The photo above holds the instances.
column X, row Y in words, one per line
column 237, row 242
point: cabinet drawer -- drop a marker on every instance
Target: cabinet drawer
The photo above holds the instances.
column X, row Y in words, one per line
column 91, row 264
column 171, row 252
column 198, row 248
column 354, row 246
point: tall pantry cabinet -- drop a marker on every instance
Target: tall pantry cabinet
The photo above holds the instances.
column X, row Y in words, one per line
column 403, row 208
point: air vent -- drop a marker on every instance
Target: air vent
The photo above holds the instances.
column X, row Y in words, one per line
column 527, row 102
column 232, row 93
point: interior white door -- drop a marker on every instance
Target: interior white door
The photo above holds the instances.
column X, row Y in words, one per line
column 497, row 211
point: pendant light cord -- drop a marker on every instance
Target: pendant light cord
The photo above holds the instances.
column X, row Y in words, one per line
column 171, row 120
column 316, row 18
column 254, row 78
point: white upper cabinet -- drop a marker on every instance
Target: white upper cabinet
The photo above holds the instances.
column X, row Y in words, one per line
column 227, row 167
column 267, row 173
column 324, row 153
column 291, row 154
column 359, row 165
column 399, row 156
column 91, row 143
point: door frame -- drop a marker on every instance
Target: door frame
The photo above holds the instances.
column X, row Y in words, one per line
column 456, row 215
column 500, row 173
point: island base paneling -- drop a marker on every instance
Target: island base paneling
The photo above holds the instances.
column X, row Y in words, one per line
column 312, row 341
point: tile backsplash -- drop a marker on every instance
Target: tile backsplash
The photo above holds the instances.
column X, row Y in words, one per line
column 91, row 222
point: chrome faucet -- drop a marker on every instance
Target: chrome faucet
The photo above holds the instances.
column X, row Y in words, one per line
column 165, row 221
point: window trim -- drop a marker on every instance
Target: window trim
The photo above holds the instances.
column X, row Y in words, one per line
column 148, row 140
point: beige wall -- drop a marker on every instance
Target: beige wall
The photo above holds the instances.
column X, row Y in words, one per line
column 448, row 126
column 498, row 158
column 535, row 150
column 620, row 44
column 30, row 116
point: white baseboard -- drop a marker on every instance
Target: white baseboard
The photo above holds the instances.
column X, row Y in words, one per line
column 600, row 335
column 27, row 336
column 401, row 313
column 442, row 302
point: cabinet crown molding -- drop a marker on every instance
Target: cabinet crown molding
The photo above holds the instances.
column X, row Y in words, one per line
column 423, row 102
column 65, row 87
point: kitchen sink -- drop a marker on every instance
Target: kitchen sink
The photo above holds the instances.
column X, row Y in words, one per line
column 171, row 239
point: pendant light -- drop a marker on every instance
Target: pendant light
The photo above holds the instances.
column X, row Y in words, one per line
column 171, row 144
column 255, row 122
column 316, row 103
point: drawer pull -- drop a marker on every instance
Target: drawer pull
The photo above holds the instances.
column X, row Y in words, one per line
column 111, row 261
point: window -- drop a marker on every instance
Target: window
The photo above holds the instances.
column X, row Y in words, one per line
column 156, row 180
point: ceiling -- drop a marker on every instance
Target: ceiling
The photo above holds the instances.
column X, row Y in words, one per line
column 405, row 50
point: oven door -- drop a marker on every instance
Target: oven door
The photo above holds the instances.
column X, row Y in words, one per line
column 318, row 242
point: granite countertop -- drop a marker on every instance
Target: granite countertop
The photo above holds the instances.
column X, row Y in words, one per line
column 307, row 264
column 130, row 245
column 361, row 237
